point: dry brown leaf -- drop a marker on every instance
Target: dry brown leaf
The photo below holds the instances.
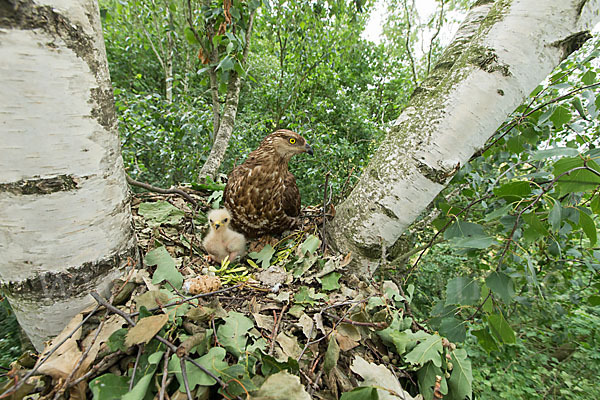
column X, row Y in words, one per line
column 62, row 361
column 289, row 345
column 145, row 329
column 264, row 321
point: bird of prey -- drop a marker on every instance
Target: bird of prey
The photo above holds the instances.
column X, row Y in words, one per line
column 261, row 193
column 221, row 241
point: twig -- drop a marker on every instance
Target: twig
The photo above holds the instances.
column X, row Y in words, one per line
column 163, row 385
column 275, row 329
column 376, row 325
column 407, row 45
column 83, row 357
column 435, row 35
column 47, row 356
column 517, row 120
column 127, row 317
column 324, row 242
column 102, row 366
column 335, row 325
column 179, row 302
column 185, row 379
column 155, row 189
column 135, row 365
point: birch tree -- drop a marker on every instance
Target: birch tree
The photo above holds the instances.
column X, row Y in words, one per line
column 65, row 218
column 500, row 53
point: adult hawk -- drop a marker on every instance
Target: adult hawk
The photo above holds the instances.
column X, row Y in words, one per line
column 261, row 193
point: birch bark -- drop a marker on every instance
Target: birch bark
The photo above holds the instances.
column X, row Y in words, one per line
column 502, row 51
column 65, row 218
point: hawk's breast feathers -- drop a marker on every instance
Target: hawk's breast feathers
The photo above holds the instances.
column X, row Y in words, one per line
column 261, row 193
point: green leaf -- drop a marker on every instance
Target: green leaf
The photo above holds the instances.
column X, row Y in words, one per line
column 165, row 267
column 595, row 205
column 238, row 379
column 148, row 366
column 502, row 285
column 579, row 107
column 486, row 341
column 589, row 77
column 307, row 295
column 461, row 380
column 160, row 212
column 467, row 235
column 330, row 281
column 463, row 291
column 310, row 245
column 116, row 341
column 513, row 191
column 479, row 242
column 426, row 378
column 555, row 216
column 588, row 226
column 453, row 329
column 535, row 228
column 428, row 350
column 594, row 300
column 233, row 334
column 463, row 229
column 332, row 355
column 189, row 35
column 500, row 328
column 213, row 361
column 560, row 116
column 578, row 180
column 264, row 256
column 270, row 365
column 361, row 393
column 540, row 155
column 109, row 387
column 226, row 64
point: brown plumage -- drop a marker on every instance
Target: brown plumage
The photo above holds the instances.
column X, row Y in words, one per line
column 221, row 241
column 261, row 193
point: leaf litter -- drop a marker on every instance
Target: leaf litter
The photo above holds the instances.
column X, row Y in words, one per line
column 288, row 322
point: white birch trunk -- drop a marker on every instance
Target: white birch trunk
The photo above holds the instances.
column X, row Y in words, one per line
column 226, row 124
column 65, row 219
column 501, row 53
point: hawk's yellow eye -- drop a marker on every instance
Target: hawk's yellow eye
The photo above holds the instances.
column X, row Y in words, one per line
column 292, row 140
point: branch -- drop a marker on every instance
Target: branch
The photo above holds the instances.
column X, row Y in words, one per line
column 155, row 189
column 407, row 44
column 439, row 28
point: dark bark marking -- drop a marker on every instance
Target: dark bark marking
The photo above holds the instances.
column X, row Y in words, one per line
column 439, row 176
column 37, row 185
column 487, row 60
column 572, row 43
column 70, row 283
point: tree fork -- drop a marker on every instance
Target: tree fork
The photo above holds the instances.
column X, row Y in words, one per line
column 500, row 53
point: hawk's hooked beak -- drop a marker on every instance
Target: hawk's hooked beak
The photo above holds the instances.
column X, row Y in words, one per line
column 217, row 225
column 308, row 149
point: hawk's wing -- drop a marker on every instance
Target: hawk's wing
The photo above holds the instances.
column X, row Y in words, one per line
column 291, row 196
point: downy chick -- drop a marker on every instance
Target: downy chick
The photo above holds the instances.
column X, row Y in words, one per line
column 221, row 241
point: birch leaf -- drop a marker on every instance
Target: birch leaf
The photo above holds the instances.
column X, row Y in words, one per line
column 428, row 350
column 233, row 334
column 461, row 379
column 165, row 267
